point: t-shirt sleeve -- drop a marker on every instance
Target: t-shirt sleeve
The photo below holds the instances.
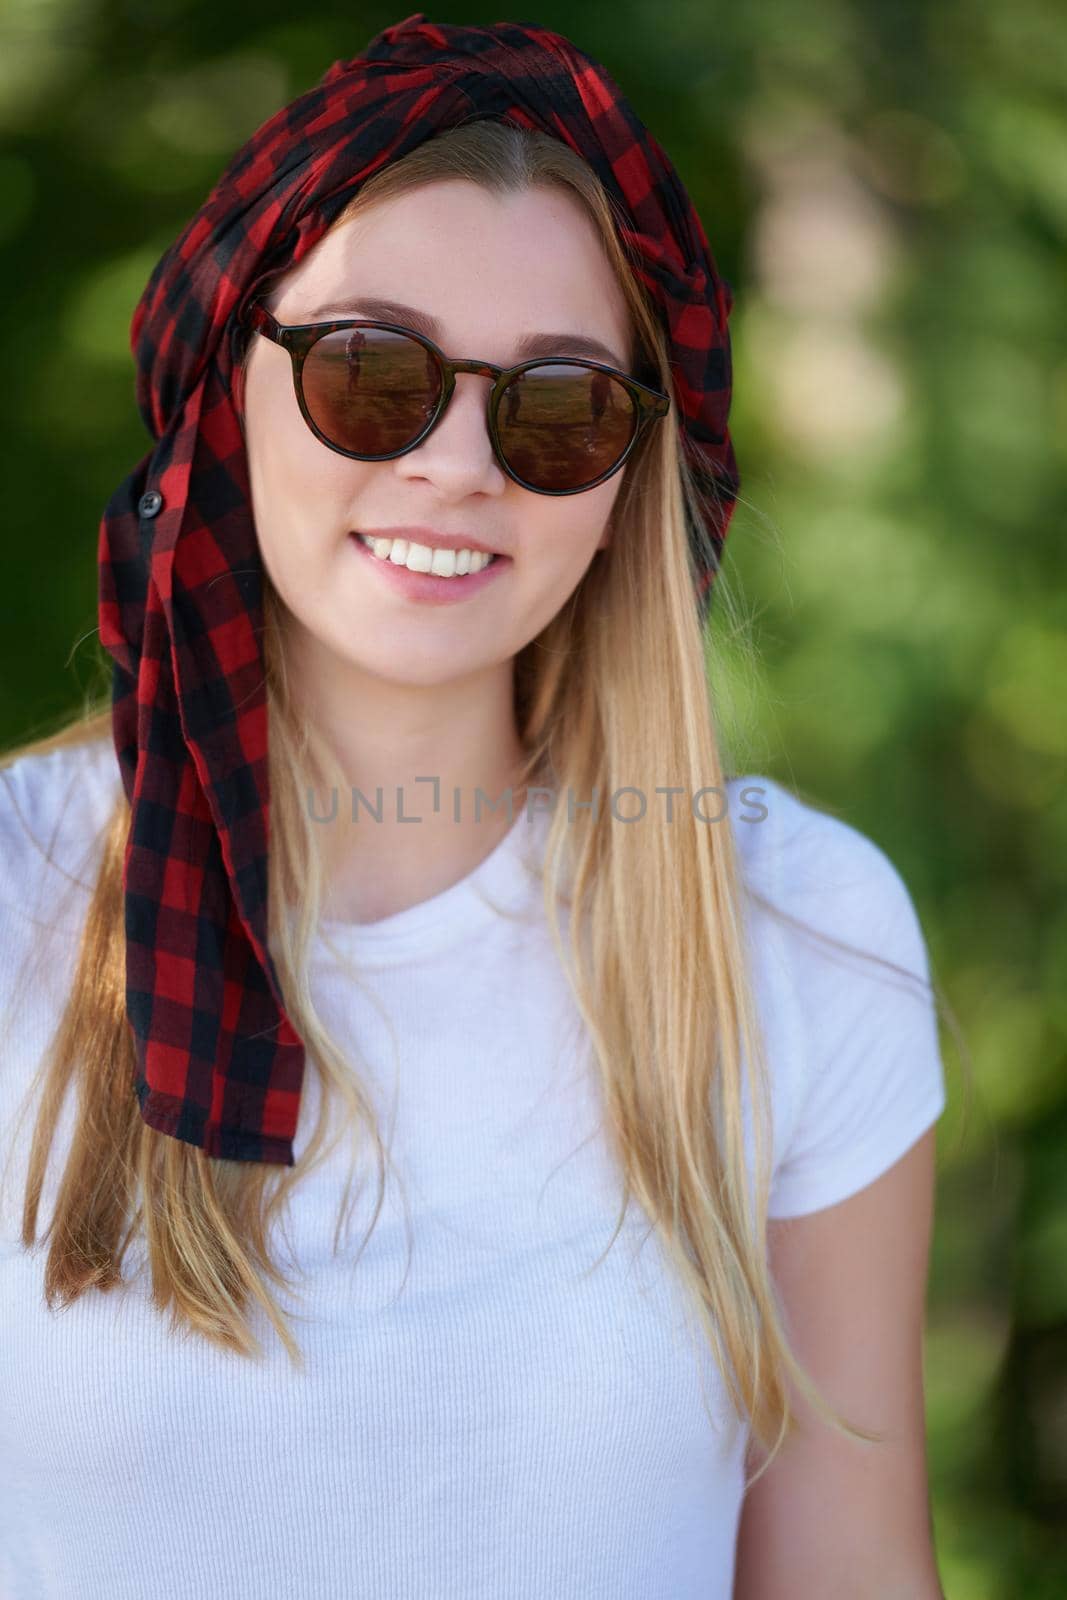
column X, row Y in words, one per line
column 52, row 808
column 870, row 1079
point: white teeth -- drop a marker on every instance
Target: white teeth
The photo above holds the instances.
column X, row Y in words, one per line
column 420, row 557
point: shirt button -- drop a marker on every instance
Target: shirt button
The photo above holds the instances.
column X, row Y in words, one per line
column 150, row 503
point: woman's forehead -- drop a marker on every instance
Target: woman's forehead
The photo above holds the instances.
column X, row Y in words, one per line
column 464, row 256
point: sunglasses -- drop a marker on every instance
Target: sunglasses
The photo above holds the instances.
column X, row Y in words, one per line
column 374, row 390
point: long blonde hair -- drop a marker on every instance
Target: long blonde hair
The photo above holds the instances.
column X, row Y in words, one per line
column 616, row 684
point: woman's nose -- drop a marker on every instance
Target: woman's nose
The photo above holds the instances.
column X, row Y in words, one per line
column 457, row 453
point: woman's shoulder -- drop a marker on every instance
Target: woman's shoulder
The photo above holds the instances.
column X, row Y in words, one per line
column 54, row 806
column 816, row 867
column 853, row 1029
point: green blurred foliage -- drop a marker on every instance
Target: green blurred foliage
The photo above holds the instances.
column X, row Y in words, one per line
column 886, row 189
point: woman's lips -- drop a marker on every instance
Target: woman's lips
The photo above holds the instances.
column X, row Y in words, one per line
column 427, row 587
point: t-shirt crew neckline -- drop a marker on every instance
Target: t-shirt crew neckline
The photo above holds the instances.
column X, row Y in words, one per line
column 502, row 878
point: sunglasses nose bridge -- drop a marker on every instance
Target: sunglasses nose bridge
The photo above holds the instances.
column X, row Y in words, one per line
column 481, row 369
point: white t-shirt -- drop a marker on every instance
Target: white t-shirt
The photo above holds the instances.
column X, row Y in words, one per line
column 508, row 1421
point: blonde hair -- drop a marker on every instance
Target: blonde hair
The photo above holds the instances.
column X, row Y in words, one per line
column 615, row 684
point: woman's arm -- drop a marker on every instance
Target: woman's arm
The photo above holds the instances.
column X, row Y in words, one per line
column 834, row 1518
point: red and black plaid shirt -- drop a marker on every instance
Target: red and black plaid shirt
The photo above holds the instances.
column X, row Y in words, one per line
column 180, row 595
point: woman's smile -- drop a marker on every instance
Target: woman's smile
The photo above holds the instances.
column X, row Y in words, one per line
column 419, row 573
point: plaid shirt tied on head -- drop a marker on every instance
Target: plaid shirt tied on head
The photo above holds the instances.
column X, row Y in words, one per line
column 219, row 1064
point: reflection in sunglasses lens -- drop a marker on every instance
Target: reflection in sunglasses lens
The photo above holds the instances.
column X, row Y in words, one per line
column 370, row 390
column 563, row 426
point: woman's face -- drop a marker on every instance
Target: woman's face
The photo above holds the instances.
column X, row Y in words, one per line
column 491, row 270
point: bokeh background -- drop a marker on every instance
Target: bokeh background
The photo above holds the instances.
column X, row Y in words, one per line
column 885, row 187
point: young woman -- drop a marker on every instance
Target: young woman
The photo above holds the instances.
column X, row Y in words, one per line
column 643, row 1054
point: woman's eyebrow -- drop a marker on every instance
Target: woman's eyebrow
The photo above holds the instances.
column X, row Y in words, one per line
column 534, row 344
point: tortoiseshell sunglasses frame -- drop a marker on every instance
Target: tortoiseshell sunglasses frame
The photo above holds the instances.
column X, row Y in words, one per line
column 298, row 339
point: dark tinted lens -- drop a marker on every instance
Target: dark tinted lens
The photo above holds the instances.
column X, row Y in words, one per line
column 561, row 427
column 370, row 390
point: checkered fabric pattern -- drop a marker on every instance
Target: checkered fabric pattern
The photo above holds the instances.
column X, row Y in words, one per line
column 180, row 579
